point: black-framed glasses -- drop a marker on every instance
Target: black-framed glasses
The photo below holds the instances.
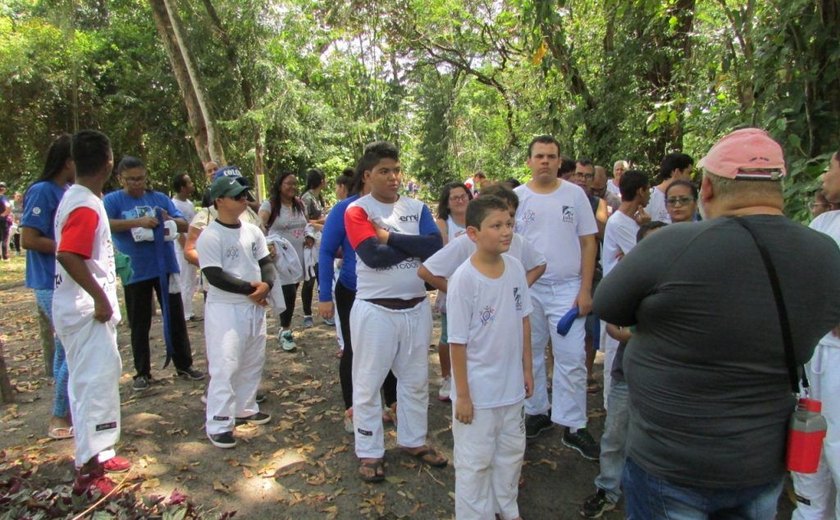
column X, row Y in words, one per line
column 679, row 201
column 587, row 176
column 458, row 198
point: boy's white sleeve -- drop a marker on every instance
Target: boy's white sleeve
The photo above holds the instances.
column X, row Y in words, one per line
column 209, row 249
column 450, row 257
column 459, row 302
column 527, row 307
column 262, row 244
column 531, row 257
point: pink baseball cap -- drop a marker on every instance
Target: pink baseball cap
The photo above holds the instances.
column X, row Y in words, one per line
column 748, row 154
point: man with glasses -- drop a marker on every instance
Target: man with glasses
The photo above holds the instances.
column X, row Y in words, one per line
column 709, row 387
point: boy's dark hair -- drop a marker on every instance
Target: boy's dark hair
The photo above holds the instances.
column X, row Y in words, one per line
column 567, row 166
column 443, row 201
column 478, row 209
column 90, row 151
column 375, row 152
column 674, row 161
column 512, row 183
column 479, row 175
column 683, row 183
column 503, row 192
column 178, row 181
column 128, row 162
column 630, row 182
column 584, row 161
column 647, row 227
column 544, row 139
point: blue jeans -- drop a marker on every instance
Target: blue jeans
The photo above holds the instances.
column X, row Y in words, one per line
column 613, row 441
column 61, row 401
column 650, row 498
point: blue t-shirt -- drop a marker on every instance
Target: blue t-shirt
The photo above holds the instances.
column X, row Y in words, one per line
column 39, row 207
column 144, row 256
column 333, row 237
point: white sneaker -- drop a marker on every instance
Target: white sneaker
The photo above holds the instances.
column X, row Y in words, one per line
column 286, row 341
column 445, row 389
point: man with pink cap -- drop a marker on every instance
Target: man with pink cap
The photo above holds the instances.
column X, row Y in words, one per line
column 710, row 391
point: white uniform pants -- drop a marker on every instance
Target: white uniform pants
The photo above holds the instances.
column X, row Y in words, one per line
column 188, row 281
column 95, row 367
column 398, row 340
column 609, row 346
column 568, row 395
column 235, row 335
column 820, row 488
column 488, row 461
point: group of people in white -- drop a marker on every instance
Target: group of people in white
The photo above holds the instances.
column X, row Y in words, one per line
column 515, row 269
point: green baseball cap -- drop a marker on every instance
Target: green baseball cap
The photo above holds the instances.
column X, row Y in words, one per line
column 226, row 187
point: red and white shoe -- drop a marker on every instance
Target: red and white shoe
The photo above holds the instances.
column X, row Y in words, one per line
column 116, row 465
column 94, row 481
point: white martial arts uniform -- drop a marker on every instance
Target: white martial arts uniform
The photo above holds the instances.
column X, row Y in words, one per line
column 485, row 315
column 91, row 346
column 389, row 339
column 554, row 223
column 188, row 274
column 817, row 493
column 234, row 326
column 619, row 238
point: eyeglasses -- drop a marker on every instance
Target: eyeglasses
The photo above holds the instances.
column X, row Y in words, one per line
column 458, row 198
column 587, row 176
column 679, row 201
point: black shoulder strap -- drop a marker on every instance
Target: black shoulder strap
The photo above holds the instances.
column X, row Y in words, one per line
column 790, row 356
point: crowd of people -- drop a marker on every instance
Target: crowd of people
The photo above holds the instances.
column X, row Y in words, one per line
column 694, row 289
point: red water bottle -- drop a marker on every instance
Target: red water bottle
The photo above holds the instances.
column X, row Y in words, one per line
column 805, row 438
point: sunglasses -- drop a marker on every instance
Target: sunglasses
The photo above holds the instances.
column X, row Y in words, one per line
column 679, row 201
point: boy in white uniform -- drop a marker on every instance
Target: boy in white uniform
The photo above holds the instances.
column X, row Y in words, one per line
column 86, row 313
column 183, row 187
column 391, row 320
column 235, row 261
column 490, row 341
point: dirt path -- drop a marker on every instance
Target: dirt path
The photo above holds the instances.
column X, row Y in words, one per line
column 299, row 466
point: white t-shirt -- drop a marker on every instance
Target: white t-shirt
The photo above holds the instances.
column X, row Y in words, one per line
column 485, row 314
column 656, row 206
column 400, row 280
column 829, row 223
column 72, row 305
column 553, row 222
column 457, row 251
column 186, row 207
column 453, row 230
column 613, row 188
column 237, row 251
column 289, row 224
column 619, row 239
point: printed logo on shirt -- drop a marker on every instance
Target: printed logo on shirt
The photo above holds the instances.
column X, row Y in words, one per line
column 366, row 433
column 58, row 280
column 487, row 315
column 254, row 249
column 220, row 418
column 517, row 298
column 138, row 212
column 528, row 216
column 36, row 211
column 106, row 426
column 410, row 218
column 405, row 264
column 232, row 253
column 569, row 214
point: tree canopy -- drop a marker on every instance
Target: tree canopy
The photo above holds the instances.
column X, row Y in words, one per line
column 459, row 85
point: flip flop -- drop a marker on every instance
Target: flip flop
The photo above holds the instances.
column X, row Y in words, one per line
column 61, row 432
column 429, row 456
column 372, row 470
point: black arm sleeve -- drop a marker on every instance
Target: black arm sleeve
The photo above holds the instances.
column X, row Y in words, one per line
column 267, row 271
column 226, row 282
column 421, row 246
column 378, row 255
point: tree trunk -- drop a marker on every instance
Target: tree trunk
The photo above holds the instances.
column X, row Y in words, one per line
column 206, row 140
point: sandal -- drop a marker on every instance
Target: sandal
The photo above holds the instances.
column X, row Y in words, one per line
column 429, row 456
column 61, row 432
column 372, row 470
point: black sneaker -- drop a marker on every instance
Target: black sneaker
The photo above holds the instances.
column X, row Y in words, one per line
column 596, row 505
column 222, row 440
column 536, row 424
column 260, row 398
column 583, row 443
column 190, row 373
column 257, row 418
column 140, row 384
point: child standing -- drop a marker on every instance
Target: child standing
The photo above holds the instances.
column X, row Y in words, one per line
column 490, row 345
column 235, row 261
